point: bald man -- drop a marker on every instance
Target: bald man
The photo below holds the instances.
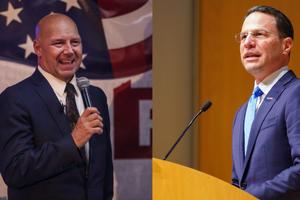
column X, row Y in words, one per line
column 45, row 153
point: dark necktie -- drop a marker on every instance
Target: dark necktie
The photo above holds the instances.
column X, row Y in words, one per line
column 72, row 111
column 71, row 108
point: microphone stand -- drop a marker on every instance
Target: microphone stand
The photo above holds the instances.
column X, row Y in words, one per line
column 205, row 106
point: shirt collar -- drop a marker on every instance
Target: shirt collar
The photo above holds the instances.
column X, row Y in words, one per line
column 57, row 84
column 267, row 84
column 74, row 83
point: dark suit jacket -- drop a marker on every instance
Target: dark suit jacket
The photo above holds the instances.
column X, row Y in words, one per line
column 271, row 167
column 38, row 158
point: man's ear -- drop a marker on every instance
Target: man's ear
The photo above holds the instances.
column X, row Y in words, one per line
column 37, row 47
column 287, row 45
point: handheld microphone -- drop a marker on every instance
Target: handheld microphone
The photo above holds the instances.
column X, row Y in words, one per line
column 203, row 108
column 83, row 83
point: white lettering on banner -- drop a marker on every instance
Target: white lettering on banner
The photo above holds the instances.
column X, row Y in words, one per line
column 145, row 126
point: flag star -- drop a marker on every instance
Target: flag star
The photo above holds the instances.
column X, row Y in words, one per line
column 82, row 65
column 11, row 14
column 70, row 4
column 28, row 46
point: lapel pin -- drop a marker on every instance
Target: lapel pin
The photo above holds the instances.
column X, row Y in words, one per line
column 269, row 98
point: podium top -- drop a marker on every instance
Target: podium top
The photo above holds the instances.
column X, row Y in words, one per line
column 176, row 182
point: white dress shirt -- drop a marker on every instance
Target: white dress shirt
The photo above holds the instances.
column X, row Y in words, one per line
column 267, row 84
column 58, row 87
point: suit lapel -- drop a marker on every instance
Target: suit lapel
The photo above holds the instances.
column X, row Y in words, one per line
column 240, row 140
column 47, row 95
column 263, row 111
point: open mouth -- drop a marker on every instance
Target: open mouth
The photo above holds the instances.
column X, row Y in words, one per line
column 251, row 55
column 67, row 62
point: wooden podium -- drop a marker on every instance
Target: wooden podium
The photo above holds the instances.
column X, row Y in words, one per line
column 175, row 182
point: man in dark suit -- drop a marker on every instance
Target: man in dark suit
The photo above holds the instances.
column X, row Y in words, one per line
column 266, row 129
column 44, row 156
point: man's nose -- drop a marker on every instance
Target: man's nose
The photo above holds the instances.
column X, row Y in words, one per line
column 249, row 41
column 68, row 49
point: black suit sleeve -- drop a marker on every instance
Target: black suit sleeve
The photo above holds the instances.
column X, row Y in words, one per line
column 22, row 162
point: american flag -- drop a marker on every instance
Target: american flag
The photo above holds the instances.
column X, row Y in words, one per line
column 102, row 58
column 117, row 56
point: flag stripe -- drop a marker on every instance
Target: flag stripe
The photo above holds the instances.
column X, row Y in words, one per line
column 108, row 7
column 132, row 60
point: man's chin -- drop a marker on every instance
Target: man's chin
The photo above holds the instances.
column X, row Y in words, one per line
column 252, row 68
column 66, row 75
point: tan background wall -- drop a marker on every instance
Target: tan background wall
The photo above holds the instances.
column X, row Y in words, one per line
column 182, row 81
column 173, row 83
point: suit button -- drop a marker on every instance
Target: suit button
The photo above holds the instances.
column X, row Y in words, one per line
column 243, row 186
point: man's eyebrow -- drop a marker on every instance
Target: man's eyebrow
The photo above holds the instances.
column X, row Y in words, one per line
column 56, row 40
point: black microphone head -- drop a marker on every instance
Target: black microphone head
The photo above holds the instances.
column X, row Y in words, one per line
column 206, row 106
column 82, row 82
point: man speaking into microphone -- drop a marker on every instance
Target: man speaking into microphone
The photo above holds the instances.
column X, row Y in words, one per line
column 266, row 130
column 51, row 146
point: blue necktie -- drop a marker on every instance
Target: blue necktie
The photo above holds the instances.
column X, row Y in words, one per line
column 250, row 114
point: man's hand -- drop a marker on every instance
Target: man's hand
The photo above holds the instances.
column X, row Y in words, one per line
column 88, row 124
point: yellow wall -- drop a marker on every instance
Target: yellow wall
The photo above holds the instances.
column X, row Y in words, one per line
column 223, row 79
column 173, row 63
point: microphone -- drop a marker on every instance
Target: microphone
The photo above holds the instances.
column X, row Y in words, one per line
column 203, row 108
column 83, row 83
